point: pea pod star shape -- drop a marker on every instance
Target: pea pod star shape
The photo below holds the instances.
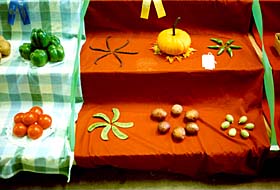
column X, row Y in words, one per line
column 110, row 124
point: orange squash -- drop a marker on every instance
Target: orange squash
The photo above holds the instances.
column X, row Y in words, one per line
column 174, row 41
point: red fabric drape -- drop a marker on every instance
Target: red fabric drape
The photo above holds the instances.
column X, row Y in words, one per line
column 147, row 81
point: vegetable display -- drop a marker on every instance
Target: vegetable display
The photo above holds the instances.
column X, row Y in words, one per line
column 31, row 123
column 42, row 48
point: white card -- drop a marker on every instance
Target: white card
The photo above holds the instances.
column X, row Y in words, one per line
column 208, row 61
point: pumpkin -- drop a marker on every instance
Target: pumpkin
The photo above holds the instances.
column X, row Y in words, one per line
column 174, row 41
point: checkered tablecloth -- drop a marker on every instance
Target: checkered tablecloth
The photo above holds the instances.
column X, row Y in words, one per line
column 54, row 87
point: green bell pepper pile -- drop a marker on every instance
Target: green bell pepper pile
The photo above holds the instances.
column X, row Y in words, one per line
column 42, row 48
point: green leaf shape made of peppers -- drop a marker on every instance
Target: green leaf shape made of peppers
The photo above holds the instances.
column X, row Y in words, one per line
column 222, row 47
column 110, row 124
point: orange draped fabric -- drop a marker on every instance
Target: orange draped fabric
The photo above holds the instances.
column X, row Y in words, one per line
column 147, row 81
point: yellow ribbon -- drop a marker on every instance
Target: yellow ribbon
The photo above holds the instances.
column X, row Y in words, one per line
column 146, row 4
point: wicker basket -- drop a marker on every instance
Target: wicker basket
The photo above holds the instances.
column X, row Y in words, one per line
column 277, row 42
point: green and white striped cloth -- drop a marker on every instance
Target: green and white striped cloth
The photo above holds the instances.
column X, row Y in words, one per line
column 54, row 87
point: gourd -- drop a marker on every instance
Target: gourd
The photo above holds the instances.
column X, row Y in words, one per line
column 174, row 41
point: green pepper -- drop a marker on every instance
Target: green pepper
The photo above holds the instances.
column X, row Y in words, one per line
column 54, row 40
column 221, row 50
column 39, row 57
column 56, row 53
column 25, row 50
column 235, row 47
column 229, row 42
column 39, row 38
column 229, row 51
column 214, row 47
column 217, row 40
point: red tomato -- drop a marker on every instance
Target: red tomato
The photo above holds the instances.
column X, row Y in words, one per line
column 18, row 117
column 45, row 121
column 19, row 130
column 34, row 131
column 29, row 118
column 36, row 109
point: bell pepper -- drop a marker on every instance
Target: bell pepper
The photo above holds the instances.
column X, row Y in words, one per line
column 39, row 38
column 39, row 57
column 56, row 53
column 25, row 50
column 54, row 40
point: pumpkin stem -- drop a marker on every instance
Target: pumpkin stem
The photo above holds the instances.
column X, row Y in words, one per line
column 175, row 24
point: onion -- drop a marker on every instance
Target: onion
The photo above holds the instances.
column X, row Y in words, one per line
column 176, row 109
column 179, row 133
column 192, row 128
column 163, row 127
column 159, row 114
column 192, row 115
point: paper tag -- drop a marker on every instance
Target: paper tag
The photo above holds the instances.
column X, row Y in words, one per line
column 208, row 61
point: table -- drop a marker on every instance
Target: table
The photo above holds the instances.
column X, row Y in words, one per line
column 50, row 87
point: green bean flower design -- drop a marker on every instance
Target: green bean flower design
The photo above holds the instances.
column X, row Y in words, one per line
column 110, row 124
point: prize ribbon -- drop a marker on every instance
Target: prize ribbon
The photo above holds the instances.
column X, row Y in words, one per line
column 23, row 11
column 146, row 8
column 12, row 11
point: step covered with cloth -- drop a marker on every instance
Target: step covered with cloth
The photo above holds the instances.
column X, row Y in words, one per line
column 146, row 81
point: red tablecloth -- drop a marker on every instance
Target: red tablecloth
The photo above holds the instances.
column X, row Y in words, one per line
column 147, row 81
